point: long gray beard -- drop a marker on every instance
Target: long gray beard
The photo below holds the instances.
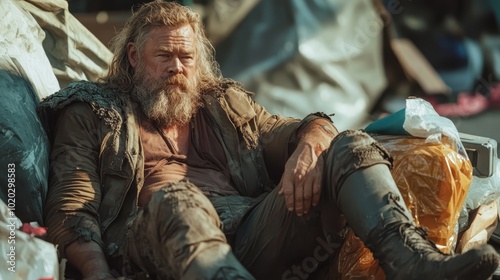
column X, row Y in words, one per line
column 167, row 105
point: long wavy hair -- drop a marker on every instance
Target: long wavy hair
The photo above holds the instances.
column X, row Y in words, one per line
column 138, row 27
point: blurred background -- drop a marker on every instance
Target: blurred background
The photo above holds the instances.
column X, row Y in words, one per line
column 359, row 60
column 356, row 59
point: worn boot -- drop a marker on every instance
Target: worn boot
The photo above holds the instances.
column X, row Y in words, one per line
column 374, row 209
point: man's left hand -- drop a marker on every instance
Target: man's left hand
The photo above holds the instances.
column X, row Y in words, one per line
column 303, row 174
column 301, row 180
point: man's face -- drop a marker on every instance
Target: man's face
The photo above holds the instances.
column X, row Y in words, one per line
column 165, row 75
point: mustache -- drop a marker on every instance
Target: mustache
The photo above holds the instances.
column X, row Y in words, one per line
column 178, row 80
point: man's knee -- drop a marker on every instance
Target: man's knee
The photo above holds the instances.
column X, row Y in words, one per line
column 179, row 213
column 181, row 201
column 352, row 150
column 177, row 223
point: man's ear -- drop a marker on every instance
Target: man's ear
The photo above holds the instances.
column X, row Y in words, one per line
column 132, row 54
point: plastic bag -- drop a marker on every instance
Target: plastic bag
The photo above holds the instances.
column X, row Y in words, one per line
column 355, row 261
column 23, row 256
column 421, row 120
column 434, row 181
column 483, row 222
column 482, row 191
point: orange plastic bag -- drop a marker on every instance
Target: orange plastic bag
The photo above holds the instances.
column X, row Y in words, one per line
column 433, row 179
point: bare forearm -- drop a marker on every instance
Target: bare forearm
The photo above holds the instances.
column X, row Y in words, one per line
column 89, row 259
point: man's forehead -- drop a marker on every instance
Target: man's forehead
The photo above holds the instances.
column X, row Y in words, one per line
column 162, row 37
column 173, row 31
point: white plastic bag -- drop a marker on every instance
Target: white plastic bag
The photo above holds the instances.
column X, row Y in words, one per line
column 421, row 120
column 482, row 191
column 22, row 256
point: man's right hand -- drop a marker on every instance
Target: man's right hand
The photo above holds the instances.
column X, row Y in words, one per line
column 89, row 259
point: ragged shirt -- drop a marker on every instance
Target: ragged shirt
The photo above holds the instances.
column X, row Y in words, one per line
column 205, row 164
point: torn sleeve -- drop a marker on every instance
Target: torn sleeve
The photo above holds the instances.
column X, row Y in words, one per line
column 74, row 195
column 294, row 139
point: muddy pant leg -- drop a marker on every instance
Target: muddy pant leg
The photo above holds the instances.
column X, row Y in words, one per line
column 354, row 154
column 177, row 236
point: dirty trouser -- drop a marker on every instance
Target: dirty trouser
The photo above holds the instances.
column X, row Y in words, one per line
column 178, row 235
column 270, row 241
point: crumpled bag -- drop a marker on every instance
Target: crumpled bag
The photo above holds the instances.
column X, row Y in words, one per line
column 434, row 180
column 482, row 191
column 419, row 119
column 23, row 256
column 483, row 222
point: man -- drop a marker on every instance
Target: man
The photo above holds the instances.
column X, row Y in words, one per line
column 166, row 168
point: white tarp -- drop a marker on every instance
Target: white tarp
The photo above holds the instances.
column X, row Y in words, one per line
column 42, row 48
column 337, row 70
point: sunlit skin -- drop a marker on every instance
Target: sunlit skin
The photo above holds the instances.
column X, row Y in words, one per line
column 167, row 52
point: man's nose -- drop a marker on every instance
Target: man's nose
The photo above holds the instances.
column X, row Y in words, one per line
column 175, row 66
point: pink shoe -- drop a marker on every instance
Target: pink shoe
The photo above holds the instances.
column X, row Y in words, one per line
column 467, row 105
column 494, row 97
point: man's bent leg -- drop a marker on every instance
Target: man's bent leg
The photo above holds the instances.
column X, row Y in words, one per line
column 366, row 194
column 177, row 236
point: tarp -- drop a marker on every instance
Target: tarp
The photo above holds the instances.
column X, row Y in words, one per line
column 42, row 47
column 303, row 56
